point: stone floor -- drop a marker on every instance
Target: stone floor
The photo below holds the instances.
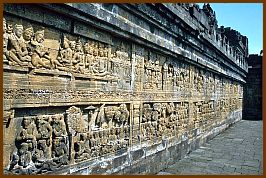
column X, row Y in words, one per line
column 238, row 150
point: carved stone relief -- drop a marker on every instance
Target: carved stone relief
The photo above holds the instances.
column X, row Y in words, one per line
column 148, row 98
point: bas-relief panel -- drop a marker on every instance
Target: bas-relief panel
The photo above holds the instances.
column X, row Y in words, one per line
column 27, row 47
column 46, row 142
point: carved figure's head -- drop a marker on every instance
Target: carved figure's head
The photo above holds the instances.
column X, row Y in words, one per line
column 39, row 36
column 28, row 33
column 18, row 30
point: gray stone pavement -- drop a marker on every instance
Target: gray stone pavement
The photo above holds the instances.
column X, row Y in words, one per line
column 237, row 150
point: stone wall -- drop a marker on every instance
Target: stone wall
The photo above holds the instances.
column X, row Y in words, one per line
column 114, row 88
column 252, row 104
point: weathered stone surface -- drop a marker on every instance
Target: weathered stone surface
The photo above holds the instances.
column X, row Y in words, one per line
column 224, row 155
column 114, row 89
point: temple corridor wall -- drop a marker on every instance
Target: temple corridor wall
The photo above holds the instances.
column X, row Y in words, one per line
column 86, row 95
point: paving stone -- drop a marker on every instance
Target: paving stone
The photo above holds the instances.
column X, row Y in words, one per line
column 237, row 151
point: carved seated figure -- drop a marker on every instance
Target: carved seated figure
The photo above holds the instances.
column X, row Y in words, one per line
column 60, row 152
column 78, row 58
column 25, row 155
column 42, row 152
column 40, row 55
column 18, row 53
column 99, row 67
column 88, row 58
column 65, row 56
column 28, row 35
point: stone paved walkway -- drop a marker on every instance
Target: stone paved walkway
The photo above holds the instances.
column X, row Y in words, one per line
column 238, row 150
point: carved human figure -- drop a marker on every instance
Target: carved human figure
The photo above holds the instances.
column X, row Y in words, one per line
column 79, row 147
column 112, row 140
column 146, row 113
column 5, row 41
column 120, row 137
column 158, row 74
column 65, row 55
column 91, row 139
column 59, row 126
column 28, row 35
column 18, row 53
column 26, row 142
column 124, row 114
column 117, row 115
column 103, row 140
column 100, row 120
column 97, row 145
column 109, row 115
column 42, row 152
column 43, row 127
column 156, row 111
column 88, row 57
column 78, row 58
column 99, row 66
column 148, row 71
column 92, row 116
column 40, row 55
column 60, row 152
column 44, row 134
column 88, row 146
column 170, row 77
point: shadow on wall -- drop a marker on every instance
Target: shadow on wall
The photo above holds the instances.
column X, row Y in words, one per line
column 252, row 106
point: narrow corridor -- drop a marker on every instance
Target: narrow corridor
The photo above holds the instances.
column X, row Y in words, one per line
column 238, row 150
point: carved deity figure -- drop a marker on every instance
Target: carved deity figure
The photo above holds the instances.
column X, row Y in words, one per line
column 40, row 54
column 89, row 57
column 65, row 55
column 99, row 66
column 78, row 58
column 18, row 53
